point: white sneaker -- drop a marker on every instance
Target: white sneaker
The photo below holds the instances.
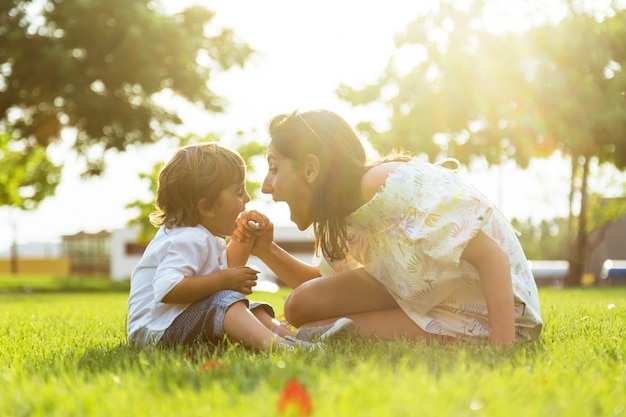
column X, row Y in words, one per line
column 303, row 344
column 343, row 325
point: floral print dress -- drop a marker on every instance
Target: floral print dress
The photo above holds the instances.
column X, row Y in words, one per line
column 410, row 237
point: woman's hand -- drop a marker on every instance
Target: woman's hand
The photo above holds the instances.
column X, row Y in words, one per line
column 249, row 225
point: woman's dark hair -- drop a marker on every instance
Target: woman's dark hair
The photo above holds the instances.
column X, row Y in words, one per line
column 342, row 164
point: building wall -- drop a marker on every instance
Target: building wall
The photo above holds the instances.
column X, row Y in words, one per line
column 89, row 253
column 50, row 266
column 612, row 245
column 125, row 253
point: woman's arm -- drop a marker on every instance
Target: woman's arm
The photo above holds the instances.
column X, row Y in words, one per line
column 288, row 268
column 495, row 277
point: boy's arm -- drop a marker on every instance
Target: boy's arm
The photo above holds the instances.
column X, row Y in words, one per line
column 237, row 252
column 195, row 288
column 288, row 268
column 495, row 277
column 249, row 225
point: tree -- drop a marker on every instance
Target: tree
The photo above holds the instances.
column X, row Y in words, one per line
column 544, row 241
column 479, row 94
column 27, row 177
column 463, row 98
column 97, row 68
column 579, row 83
column 98, row 65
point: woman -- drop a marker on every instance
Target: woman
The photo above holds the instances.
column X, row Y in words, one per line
column 408, row 249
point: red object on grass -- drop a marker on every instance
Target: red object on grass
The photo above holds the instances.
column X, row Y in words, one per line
column 210, row 365
column 295, row 396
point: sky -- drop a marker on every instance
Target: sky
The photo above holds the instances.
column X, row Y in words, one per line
column 305, row 50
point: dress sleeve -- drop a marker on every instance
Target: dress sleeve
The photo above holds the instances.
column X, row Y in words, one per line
column 444, row 216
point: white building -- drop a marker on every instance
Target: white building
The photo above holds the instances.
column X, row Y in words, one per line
column 126, row 252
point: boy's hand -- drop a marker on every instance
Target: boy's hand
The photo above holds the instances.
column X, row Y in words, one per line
column 240, row 278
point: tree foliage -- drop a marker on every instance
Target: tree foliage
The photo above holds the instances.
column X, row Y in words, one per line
column 579, row 82
column 98, row 65
column 472, row 93
column 544, row 241
column 464, row 97
column 27, row 175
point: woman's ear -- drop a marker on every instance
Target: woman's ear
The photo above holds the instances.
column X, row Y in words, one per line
column 311, row 168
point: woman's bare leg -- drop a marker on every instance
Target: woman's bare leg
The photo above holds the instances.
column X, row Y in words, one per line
column 339, row 295
column 241, row 325
column 354, row 294
column 384, row 324
column 388, row 325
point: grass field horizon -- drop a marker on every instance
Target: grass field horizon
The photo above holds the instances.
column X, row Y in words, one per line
column 64, row 353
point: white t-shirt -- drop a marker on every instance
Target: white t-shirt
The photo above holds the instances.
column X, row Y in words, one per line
column 410, row 237
column 170, row 256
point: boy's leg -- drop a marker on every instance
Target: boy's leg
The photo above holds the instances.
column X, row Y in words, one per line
column 271, row 323
column 224, row 313
column 241, row 325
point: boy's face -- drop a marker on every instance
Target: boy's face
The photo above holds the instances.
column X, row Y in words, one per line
column 224, row 212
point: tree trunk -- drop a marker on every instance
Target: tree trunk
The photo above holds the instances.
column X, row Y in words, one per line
column 572, row 192
column 14, row 269
column 577, row 259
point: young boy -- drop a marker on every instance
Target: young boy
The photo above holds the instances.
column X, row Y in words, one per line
column 189, row 285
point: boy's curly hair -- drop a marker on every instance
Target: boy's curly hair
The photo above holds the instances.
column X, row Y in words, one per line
column 195, row 172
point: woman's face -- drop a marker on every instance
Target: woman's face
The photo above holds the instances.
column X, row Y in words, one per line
column 284, row 182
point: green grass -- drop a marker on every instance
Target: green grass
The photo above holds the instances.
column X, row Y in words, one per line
column 64, row 354
column 40, row 283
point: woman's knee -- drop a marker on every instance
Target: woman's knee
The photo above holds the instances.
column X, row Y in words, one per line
column 297, row 307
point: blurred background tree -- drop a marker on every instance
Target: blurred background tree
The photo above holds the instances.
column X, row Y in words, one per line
column 579, row 85
column 96, row 66
column 475, row 94
column 546, row 240
column 94, row 70
column 27, row 177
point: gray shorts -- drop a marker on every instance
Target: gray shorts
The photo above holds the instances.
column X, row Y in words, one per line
column 203, row 321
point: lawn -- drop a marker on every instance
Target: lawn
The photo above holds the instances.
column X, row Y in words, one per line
column 64, row 354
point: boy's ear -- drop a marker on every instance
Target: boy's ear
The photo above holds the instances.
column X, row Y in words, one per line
column 311, row 168
column 204, row 208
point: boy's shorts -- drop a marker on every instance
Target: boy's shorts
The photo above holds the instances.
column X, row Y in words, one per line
column 203, row 321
